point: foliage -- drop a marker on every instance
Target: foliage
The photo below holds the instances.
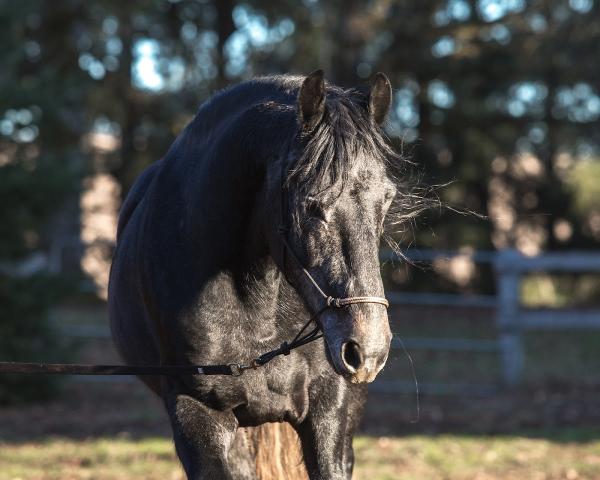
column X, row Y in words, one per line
column 28, row 193
column 584, row 181
column 26, row 335
column 37, row 144
column 479, row 85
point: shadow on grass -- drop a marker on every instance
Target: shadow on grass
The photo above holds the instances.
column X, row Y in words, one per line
column 86, row 411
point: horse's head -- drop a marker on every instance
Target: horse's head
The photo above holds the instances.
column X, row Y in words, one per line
column 337, row 192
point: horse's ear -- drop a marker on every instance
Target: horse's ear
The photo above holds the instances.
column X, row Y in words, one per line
column 380, row 98
column 311, row 100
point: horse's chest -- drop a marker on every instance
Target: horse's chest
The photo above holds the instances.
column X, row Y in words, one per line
column 281, row 396
column 218, row 331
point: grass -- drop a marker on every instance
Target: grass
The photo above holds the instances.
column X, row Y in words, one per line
column 457, row 458
column 102, row 459
column 576, row 456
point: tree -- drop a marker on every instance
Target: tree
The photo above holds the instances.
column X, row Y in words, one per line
column 40, row 98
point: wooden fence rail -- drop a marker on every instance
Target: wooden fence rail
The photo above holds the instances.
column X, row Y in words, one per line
column 511, row 319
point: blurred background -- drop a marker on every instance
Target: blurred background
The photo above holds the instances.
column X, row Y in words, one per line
column 497, row 102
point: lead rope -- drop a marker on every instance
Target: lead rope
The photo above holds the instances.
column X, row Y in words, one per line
column 234, row 369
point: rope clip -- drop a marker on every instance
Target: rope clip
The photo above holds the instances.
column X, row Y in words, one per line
column 236, row 369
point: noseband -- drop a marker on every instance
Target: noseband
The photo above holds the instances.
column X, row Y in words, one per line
column 330, row 302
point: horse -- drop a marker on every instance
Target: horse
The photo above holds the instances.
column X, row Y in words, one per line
column 266, row 210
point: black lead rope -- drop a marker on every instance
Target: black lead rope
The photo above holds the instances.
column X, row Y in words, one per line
column 84, row 369
column 232, row 369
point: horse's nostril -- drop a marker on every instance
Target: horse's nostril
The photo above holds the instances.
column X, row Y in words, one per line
column 352, row 356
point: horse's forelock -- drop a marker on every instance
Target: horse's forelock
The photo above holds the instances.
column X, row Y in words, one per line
column 330, row 151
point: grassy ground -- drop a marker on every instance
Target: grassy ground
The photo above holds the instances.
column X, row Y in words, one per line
column 385, row 458
column 104, row 458
column 120, row 432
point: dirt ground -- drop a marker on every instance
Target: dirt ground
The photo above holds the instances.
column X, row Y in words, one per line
column 105, row 409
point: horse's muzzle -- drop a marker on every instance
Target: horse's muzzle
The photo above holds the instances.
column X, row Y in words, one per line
column 358, row 365
column 357, row 354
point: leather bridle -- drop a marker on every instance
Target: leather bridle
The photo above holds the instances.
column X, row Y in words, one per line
column 330, row 302
column 283, row 230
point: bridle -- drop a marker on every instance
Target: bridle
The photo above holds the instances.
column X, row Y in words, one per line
column 284, row 229
column 233, row 369
column 330, row 302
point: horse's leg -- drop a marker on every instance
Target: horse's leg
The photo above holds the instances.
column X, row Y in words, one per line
column 241, row 459
column 202, row 437
column 326, row 433
column 356, row 403
column 324, row 445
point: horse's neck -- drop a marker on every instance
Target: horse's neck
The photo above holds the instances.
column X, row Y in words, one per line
column 271, row 303
column 226, row 238
column 226, row 213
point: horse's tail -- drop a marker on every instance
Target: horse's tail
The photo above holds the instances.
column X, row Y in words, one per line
column 273, row 450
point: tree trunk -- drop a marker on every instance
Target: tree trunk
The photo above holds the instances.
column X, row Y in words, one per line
column 225, row 27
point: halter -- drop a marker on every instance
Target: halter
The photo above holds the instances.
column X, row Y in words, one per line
column 283, row 231
column 330, row 301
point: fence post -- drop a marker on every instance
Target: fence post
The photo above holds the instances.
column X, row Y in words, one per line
column 511, row 343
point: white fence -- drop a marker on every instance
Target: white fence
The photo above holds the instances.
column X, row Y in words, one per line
column 511, row 319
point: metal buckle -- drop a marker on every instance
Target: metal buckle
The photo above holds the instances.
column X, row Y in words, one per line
column 253, row 364
column 237, row 369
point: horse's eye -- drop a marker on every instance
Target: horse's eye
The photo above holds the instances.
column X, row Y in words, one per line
column 314, row 210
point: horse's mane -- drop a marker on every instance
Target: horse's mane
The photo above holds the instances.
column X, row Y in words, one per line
column 330, row 151
column 343, row 134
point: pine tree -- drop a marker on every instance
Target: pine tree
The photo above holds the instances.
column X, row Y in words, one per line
column 39, row 140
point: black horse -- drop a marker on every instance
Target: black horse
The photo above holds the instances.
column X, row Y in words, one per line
column 204, row 273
